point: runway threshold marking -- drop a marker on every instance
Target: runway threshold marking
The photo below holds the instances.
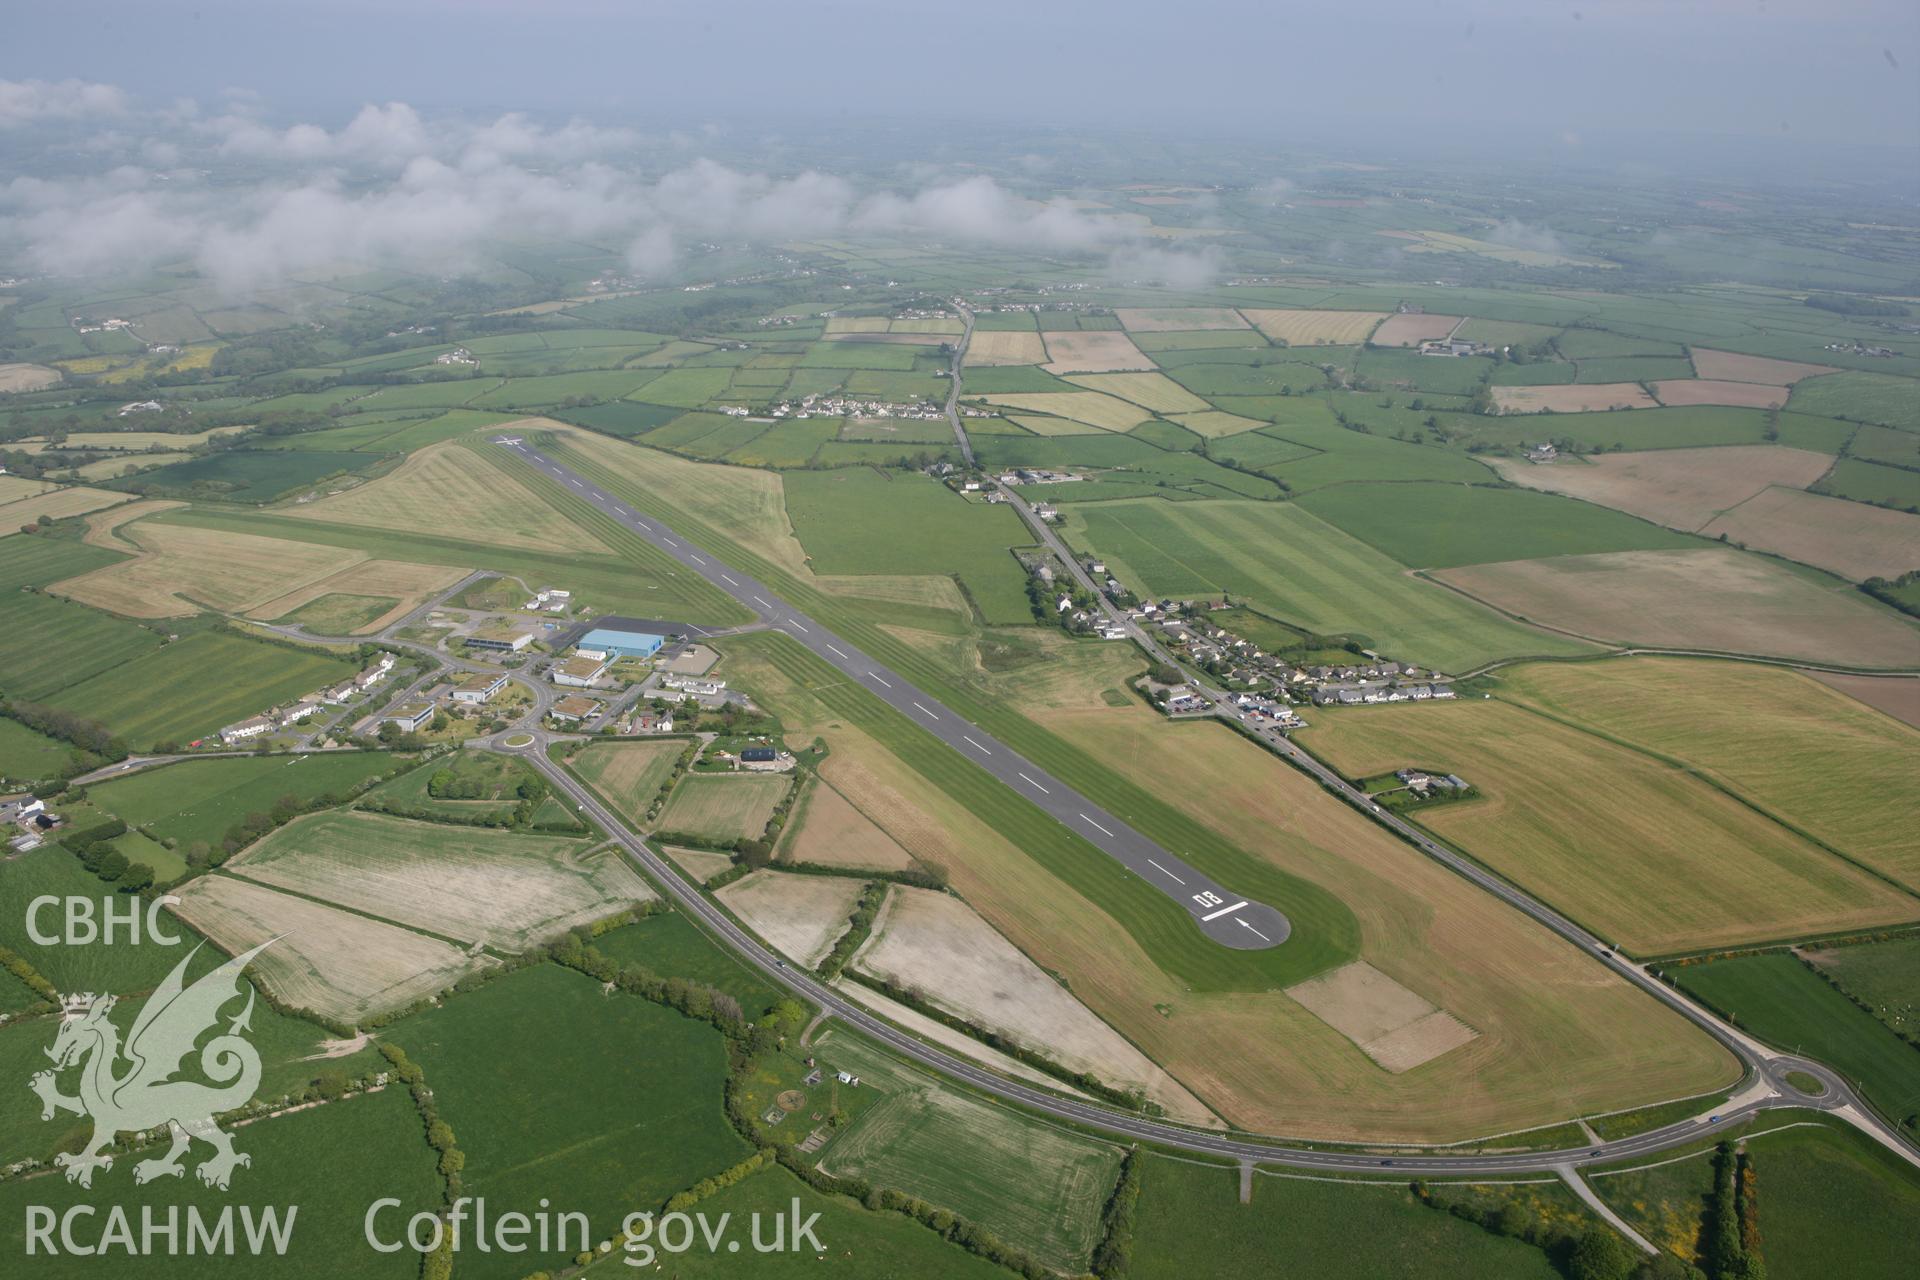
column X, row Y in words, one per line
column 1096, row 826
column 1163, row 871
column 1036, row 786
column 1225, row 911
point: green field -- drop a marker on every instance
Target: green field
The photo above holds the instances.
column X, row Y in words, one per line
column 1831, row 1202
column 603, row 1104
column 1885, row 976
column 474, row 785
column 246, row 475
column 1861, row 397
column 332, row 1162
column 339, row 615
column 51, row 871
column 673, row 946
column 1040, row 1188
column 1777, row 998
column 198, row 800
column 198, row 683
column 38, row 560
column 721, row 810
column 50, row 643
column 1302, row 570
column 27, row 756
column 1432, row 526
column 1871, row 482
column 866, row 522
column 1191, row 1224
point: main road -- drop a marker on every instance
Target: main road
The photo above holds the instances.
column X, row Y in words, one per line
column 1227, row 918
column 1230, row 919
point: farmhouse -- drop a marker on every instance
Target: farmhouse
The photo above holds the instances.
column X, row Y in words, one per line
column 573, row 708
column 616, row 643
column 410, row 716
column 580, row 671
column 479, row 688
column 251, row 727
column 503, row 638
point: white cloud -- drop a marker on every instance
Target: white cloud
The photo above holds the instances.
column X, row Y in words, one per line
column 1171, row 268
column 1522, row 235
column 36, row 101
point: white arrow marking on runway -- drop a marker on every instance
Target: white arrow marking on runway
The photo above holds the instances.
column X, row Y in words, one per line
column 1096, row 826
column 1163, row 871
column 1256, row 933
column 1036, row 786
column 1224, row 911
column 883, row 683
column 923, row 711
column 976, row 746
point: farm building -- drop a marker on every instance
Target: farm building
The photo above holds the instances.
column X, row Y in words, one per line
column 506, row 639
column 580, row 671
column 757, row 755
column 479, row 688
column 574, row 708
column 621, row 644
column 410, row 716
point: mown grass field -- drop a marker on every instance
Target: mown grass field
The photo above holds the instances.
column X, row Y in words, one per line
column 1302, row 570
column 198, row 683
column 49, row 644
column 603, row 1104
column 506, row 889
column 862, row 522
column 723, row 809
column 332, row 1162
column 1776, row 997
column 629, row 774
column 1635, row 849
column 1785, row 743
column 38, row 560
column 1191, row 1223
column 198, row 800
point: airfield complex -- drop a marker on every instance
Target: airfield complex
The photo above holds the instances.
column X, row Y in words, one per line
column 1456, row 730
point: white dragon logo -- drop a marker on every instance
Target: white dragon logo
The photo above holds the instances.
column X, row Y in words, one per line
column 145, row 1095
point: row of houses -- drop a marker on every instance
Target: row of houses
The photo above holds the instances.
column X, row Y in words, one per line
column 275, row 719
column 1370, row 694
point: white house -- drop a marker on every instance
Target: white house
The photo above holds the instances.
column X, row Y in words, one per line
column 250, row 728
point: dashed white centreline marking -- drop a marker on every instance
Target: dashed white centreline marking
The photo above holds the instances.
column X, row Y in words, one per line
column 837, row 653
column 929, row 714
column 762, row 603
column 796, row 626
column 1096, row 826
column 1163, row 871
column 699, row 559
column 729, row 581
column 575, row 483
column 1224, row 911
column 671, row 542
column 976, row 746
column 881, row 679
column 1036, row 786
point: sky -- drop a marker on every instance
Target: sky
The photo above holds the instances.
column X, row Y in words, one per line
column 1810, row 70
